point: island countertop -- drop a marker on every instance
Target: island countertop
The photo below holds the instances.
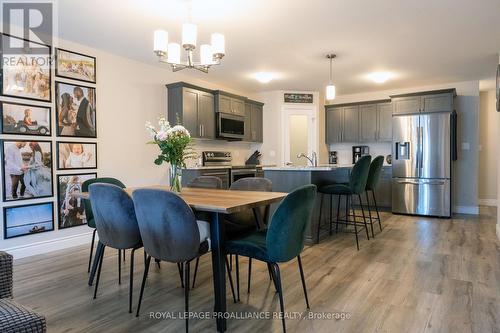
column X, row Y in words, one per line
column 321, row 167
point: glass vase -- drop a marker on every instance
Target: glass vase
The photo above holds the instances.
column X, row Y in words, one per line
column 175, row 178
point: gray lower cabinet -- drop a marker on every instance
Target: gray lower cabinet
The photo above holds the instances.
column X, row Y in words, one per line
column 333, row 125
column 384, row 122
column 193, row 108
column 188, row 175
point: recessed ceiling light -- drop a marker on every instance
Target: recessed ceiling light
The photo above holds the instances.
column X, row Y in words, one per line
column 264, row 77
column 380, row 77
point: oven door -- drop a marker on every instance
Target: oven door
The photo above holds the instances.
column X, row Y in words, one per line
column 243, row 173
column 230, row 126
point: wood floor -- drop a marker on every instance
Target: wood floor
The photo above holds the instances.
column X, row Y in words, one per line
column 417, row 275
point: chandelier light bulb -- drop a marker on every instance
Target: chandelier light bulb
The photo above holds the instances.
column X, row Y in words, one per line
column 330, row 92
column 160, row 41
column 189, row 32
column 206, row 54
column 174, row 53
column 218, row 44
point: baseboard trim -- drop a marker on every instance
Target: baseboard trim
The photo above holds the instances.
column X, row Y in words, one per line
column 47, row 246
column 473, row 210
column 488, row 202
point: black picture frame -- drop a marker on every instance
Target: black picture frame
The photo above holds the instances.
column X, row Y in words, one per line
column 5, row 220
column 498, row 88
column 4, row 193
column 59, row 201
column 49, row 54
column 58, row 134
column 58, row 143
column 2, row 124
column 58, row 74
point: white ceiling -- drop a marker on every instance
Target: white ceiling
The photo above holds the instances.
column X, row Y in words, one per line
column 422, row 41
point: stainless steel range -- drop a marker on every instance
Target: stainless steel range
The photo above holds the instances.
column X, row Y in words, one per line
column 224, row 159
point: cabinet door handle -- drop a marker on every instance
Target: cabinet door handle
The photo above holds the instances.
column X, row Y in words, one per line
column 202, row 130
column 199, row 129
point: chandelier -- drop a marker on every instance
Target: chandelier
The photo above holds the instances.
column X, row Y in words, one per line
column 330, row 88
column 170, row 53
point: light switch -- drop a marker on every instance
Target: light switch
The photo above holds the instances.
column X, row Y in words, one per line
column 465, row 146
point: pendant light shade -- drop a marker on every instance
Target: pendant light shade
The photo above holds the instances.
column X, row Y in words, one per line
column 330, row 88
column 189, row 34
column 160, row 41
column 330, row 92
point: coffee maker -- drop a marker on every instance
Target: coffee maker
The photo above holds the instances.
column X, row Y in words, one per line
column 333, row 157
column 358, row 152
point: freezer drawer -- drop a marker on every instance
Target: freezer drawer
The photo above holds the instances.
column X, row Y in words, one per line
column 421, row 196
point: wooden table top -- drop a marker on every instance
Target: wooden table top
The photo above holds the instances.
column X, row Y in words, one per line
column 220, row 201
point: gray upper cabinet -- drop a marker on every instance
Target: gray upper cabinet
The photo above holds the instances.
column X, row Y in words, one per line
column 229, row 103
column 350, row 132
column 193, row 107
column 333, row 125
column 426, row 101
column 368, row 122
column 248, row 119
column 253, row 121
column 384, row 122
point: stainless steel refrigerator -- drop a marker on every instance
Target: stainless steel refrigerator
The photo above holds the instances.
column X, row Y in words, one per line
column 421, row 170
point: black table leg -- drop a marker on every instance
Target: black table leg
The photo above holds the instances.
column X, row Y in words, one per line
column 259, row 221
column 219, row 270
column 97, row 257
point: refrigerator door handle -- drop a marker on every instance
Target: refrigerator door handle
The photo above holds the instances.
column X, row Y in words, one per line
column 421, row 147
column 407, row 182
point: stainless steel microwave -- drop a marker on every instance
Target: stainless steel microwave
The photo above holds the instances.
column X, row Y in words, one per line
column 230, row 126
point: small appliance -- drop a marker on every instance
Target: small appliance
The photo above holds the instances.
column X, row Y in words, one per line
column 333, row 158
column 358, row 152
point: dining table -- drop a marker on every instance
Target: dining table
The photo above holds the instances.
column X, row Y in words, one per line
column 217, row 202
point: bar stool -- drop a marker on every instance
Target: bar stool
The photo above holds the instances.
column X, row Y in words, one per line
column 371, row 184
column 355, row 187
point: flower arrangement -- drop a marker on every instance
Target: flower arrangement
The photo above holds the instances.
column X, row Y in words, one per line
column 175, row 144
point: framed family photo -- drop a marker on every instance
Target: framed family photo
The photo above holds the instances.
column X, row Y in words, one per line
column 76, row 155
column 27, row 169
column 75, row 110
column 74, row 65
column 26, row 75
column 28, row 219
column 71, row 211
column 25, row 119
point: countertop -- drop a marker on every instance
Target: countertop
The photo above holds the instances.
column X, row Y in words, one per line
column 321, row 167
column 228, row 166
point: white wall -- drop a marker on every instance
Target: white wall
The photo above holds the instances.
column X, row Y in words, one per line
column 128, row 94
column 488, row 140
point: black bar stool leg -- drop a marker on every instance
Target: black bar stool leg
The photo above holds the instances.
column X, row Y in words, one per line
column 319, row 218
column 369, row 213
column 303, row 281
column 91, row 249
column 144, row 278
column 349, row 202
column 376, row 209
column 338, row 215
column 364, row 217
column 331, row 213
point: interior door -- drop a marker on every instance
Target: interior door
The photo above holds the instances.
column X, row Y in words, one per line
column 435, row 145
column 405, row 149
column 299, row 135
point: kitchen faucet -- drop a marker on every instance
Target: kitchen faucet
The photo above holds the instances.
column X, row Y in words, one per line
column 313, row 160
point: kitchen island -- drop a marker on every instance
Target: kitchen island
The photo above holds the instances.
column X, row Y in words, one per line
column 286, row 179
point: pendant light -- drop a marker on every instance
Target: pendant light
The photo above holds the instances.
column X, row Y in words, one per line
column 330, row 88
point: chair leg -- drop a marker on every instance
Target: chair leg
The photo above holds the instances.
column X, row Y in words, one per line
column 249, row 273
column 124, row 255
column 91, row 249
column 277, row 279
column 319, row 218
column 131, row 280
column 349, row 202
column 230, row 262
column 195, row 271
column 144, row 277
column 180, row 266
column 376, row 209
column 99, row 270
column 331, row 213
column 237, row 259
column 364, row 217
column 230, row 280
column 119, row 266
column 369, row 213
column 186, row 293
column 303, row 281
column 338, row 215
column 158, row 263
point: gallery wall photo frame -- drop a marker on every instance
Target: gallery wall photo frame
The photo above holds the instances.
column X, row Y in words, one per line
column 37, row 176
column 70, row 209
column 75, row 66
column 74, row 121
column 26, row 76
column 30, row 219
column 13, row 119
column 76, row 155
column 498, row 87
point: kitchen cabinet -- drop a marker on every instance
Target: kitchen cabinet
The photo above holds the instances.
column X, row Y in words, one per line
column 426, row 101
column 253, row 121
column 350, row 132
column 368, row 122
column 333, row 125
column 384, row 122
column 193, row 107
column 229, row 103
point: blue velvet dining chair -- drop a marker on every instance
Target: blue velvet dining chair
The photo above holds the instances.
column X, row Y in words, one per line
column 116, row 225
column 283, row 240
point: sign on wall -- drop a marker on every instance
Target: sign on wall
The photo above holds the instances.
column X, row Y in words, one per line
column 298, row 98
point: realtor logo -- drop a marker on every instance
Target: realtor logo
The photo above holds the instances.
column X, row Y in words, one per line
column 31, row 21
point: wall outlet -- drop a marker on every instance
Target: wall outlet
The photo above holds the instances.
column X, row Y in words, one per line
column 465, row 146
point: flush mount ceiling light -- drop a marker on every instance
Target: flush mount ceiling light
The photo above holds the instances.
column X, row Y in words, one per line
column 264, row 77
column 330, row 88
column 380, row 77
column 170, row 53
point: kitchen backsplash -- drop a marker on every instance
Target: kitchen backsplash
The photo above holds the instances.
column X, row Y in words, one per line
column 345, row 150
column 240, row 150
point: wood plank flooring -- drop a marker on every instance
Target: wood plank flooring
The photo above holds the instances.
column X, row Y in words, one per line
column 417, row 275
